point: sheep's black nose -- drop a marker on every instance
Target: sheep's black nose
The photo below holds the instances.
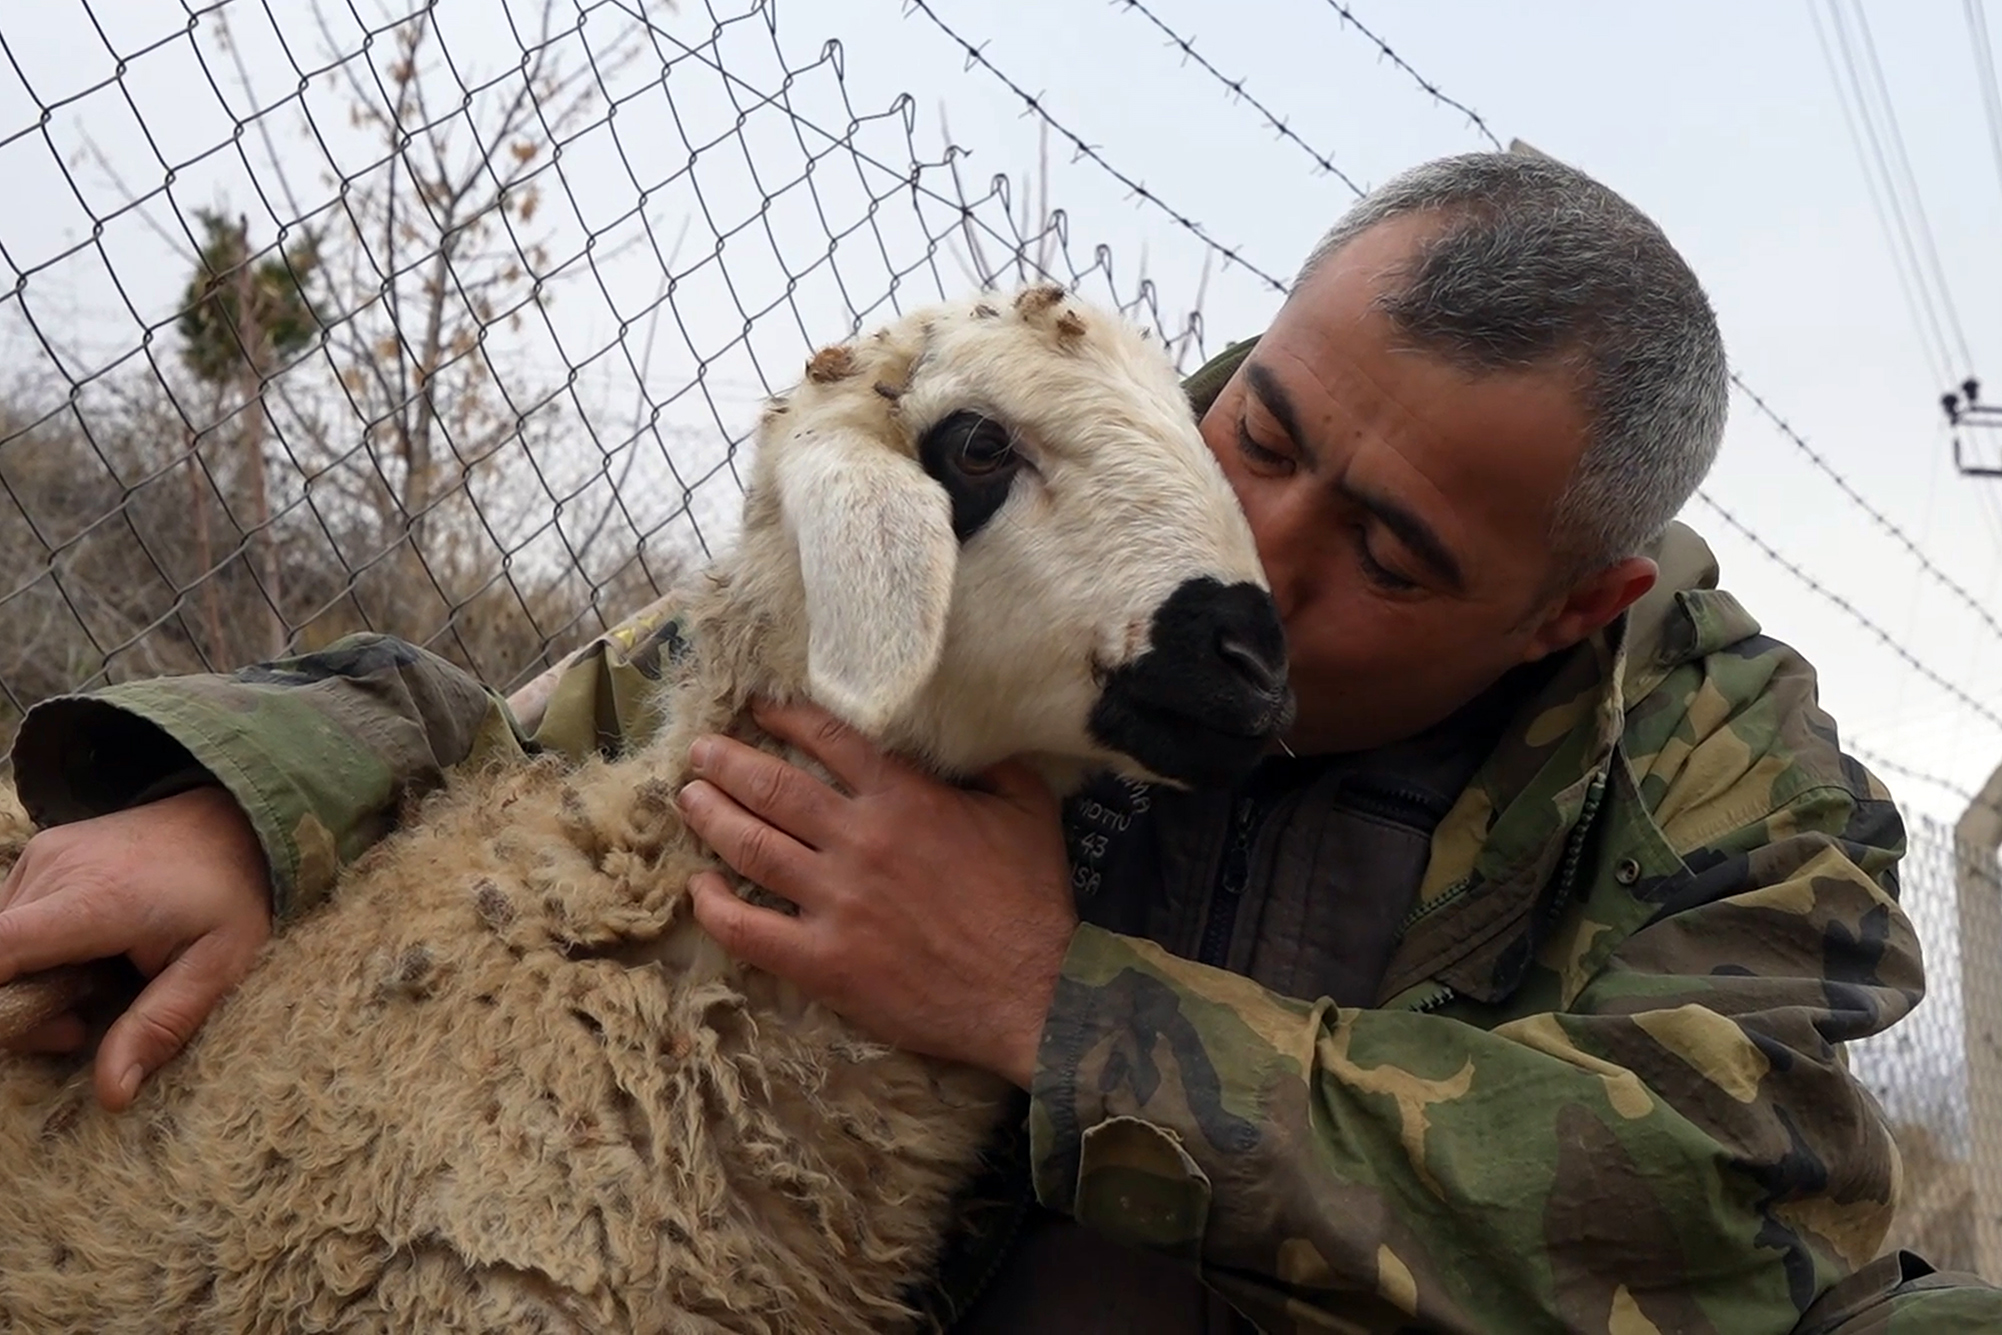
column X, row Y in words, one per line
column 1260, row 671
column 1209, row 694
column 1239, row 626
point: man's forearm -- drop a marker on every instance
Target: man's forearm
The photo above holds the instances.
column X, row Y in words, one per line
column 318, row 751
column 1392, row 1165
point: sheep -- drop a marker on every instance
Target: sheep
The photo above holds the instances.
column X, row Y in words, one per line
column 503, row 1081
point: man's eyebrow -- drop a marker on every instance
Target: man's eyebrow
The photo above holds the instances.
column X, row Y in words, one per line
column 1266, row 387
column 1411, row 530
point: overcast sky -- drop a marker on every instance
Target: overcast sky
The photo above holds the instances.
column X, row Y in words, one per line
column 1719, row 119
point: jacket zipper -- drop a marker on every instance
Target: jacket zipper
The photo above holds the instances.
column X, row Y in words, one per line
column 1400, row 803
column 1232, row 877
column 1567, row 877
column 1435, row 1001
column 1574, row 851
column 1266, row 792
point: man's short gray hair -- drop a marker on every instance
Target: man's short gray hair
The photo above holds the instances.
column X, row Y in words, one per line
column 1538, row 263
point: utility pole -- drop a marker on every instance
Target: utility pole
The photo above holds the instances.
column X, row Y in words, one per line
column 1977, row 835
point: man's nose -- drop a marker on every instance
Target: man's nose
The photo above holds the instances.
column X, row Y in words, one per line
column 1289, row 571
column 1286, row 589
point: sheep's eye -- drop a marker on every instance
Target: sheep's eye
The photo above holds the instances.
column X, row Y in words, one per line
column 986, row 448
column 974, row 458
column 975, row 443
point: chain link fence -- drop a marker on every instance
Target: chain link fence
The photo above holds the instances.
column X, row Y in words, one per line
column 440, row 319
column 448, row 320
column 1938, row 1073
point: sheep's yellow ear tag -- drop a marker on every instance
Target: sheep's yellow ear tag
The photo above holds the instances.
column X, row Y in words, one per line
column 878, row 554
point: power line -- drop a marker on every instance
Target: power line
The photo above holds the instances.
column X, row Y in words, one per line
column 1984, row 73
column 1991, row 512
column 1238, row 91
column 1854, row 613
column 1886, row 198
column 1897, row 239
column 1896, row 135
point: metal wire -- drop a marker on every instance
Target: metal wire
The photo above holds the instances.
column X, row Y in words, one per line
column 1919, row 1068
column 1237, row 90
column 1884, row 522
column 486, row 298
column 1854, row 613
column 1430, row 89
column 975, row 57
column 443, row 318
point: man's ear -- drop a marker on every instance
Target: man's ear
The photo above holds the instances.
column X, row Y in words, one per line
column 877, row 554
column 1592, row 603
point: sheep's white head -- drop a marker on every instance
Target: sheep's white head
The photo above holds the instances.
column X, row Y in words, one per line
column 1011, row 539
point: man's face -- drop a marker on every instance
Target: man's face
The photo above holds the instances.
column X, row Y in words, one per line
column 1402, row 505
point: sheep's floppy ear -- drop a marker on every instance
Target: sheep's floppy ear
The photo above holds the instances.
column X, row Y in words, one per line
column 877, row 554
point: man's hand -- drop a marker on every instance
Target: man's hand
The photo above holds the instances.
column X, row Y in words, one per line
column 179, row 887
column 933, row 917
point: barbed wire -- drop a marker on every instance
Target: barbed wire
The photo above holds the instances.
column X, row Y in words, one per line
column 1819, row 461
column 976, row 56
column 1877, row 517
column 1236, row 88
column 1383, row 48
column 835, row 141
column 1238, row 91
column 1877, row 760
column 761, row 207
column 1850, row 609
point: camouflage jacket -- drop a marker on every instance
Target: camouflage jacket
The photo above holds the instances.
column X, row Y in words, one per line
column 1602, row 1089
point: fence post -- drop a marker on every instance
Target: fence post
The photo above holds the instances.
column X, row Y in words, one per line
column 1979, row 894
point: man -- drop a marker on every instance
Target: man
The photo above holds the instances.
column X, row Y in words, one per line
column 1508, row 999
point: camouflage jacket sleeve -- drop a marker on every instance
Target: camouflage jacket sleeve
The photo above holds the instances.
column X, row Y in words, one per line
column 322, row 750
column 1655, row 1131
